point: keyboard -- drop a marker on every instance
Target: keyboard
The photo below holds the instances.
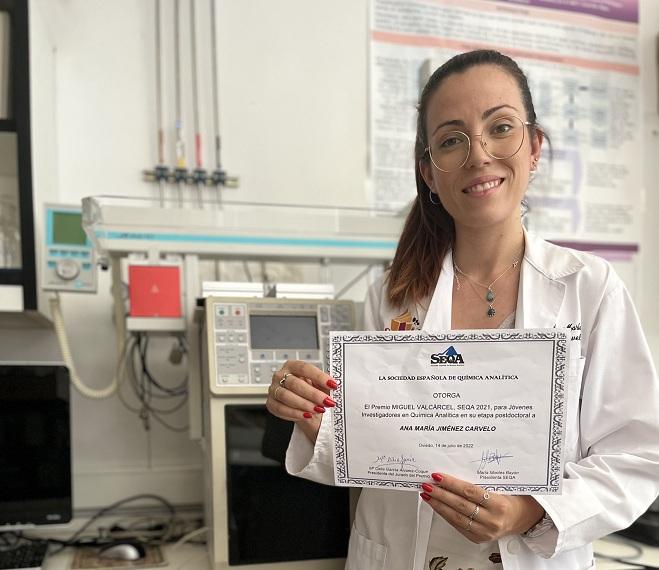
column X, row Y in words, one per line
column 24, row 556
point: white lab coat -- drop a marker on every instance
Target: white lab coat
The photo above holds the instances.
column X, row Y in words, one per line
column 612, row 432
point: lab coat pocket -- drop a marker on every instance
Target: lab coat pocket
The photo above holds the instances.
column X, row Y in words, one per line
column 573, row 395
column 365, row 554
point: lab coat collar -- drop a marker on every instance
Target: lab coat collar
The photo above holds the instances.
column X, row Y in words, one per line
column 553, row 261
column 541, row 290
column 542, row 287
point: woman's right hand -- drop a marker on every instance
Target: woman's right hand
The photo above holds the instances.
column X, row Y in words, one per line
column 300, row 392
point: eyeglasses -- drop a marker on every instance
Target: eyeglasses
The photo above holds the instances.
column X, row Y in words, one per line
column 500, row 138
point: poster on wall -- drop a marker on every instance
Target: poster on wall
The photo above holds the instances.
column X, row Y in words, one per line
column 581, row 59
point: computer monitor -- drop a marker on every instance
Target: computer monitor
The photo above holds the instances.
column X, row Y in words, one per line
column 35, row 445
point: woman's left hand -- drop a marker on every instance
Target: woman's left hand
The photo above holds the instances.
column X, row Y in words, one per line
column 478, row 515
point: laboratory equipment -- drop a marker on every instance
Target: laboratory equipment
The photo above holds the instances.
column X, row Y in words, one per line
column 68, row 258
column 154, row 290
column 252, row 338
column 249, row 497
column 35, row 445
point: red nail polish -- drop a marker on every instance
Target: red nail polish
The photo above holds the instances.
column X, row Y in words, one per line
column 437, row 477
column 329, row 402
column 307, row 415
column 332, row 384
column 425, row 496
column 426, row 487
column 319, row 409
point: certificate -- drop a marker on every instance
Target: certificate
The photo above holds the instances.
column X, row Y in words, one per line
column 487, row 406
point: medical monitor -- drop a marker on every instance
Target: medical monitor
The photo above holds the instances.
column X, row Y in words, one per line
column 35, row 445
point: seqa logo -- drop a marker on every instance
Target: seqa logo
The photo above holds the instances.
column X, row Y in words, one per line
column 449, row 356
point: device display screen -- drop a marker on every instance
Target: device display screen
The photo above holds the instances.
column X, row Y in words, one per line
column 35, row 445
column 262, row 498
column 67, row 228
column 283, row 331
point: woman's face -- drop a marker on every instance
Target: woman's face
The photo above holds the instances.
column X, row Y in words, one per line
column 484, row 192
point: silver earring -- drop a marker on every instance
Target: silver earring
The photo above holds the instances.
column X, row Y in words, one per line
column 533, row 171
column 430, row 195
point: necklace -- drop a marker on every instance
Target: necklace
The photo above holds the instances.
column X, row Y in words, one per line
column 489, row 295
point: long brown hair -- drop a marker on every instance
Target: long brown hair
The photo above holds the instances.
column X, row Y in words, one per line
column 429, row 231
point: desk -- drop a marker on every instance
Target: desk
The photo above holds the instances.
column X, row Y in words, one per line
column 613, row 546
column 194, row 557
column 185, row 557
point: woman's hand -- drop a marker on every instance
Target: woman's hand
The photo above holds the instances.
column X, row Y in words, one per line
column 478, row 515
column 299, row 392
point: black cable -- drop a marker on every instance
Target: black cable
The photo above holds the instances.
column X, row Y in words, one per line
column 176, row 391
column 638, row 551
column 74, row 540
column 140, row 379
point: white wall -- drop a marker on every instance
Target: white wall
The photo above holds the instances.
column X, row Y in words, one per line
column 293, row 102
column 648, row 304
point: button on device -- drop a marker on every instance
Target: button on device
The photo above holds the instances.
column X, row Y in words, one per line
column 262, row 355
column 309, row 355
column 514, row 546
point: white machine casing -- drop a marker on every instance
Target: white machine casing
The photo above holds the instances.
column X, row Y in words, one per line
column 238, row 371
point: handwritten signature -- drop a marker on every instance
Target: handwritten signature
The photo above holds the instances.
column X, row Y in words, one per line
column 395, row 461
column 489, row 456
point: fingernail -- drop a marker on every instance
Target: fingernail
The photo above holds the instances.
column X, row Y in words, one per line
column 427, row 487
column 319, row 409
column 425, row 496
column 329, row 402
column 437, row 477
column 308, row 415
column 332, row 384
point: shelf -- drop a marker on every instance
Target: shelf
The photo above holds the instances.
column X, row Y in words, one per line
column 7, row 126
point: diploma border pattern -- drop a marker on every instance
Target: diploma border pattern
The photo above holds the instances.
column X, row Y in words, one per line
column 557, row 336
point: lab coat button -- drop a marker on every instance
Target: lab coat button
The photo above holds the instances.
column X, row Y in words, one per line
column 514, row 546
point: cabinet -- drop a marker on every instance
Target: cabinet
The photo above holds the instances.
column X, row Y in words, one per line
column 18, row 276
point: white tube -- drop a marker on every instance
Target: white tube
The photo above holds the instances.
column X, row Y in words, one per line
column 60, row 331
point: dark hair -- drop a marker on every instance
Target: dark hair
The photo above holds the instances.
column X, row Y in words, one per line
column 429, row 231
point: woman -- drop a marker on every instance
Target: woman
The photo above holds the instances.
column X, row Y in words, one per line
column 464, row 261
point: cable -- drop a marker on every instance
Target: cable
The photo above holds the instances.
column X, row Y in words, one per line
column 176, row 391
column 185, row 538
column 159, row 116
column 147, row 388
column 60, row 331
column 74, row 539
column 629, row 560
column 195, row 85
column 216, row 97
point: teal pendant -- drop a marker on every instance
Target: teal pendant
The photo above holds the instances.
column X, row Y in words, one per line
column 491, row 312
column 490, row 295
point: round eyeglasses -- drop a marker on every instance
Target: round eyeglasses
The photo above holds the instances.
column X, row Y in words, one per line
column 500, row 138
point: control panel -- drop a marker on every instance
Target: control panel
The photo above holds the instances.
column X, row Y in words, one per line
column 68, row 260
column 249, row 339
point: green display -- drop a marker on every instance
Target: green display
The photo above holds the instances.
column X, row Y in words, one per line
column 67, row 229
